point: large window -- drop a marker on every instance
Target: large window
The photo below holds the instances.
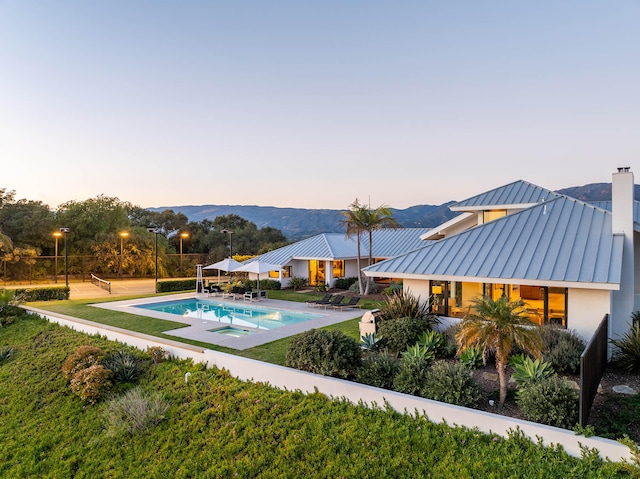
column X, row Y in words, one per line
column 544, row 305
column 316, row 272
column 338, row 268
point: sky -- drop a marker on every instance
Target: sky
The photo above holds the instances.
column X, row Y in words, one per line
column 311, row 104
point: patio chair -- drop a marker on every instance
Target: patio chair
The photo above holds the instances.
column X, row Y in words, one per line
column 353, row 303
column 313, row 302
column 251, row 296
column 333, row 301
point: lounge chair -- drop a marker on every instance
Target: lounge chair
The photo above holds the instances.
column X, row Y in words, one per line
column 252, row 296
column 313, row 302
column 333, row 301
column 353, row 301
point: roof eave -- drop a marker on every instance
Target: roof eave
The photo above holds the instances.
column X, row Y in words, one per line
column 523, row 281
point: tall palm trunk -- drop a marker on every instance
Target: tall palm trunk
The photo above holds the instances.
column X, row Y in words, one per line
column 359, row 261
column 502, row 375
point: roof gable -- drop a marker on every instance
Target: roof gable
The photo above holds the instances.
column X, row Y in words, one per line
column 518, row 193
column 387, row 243
column 563, row 240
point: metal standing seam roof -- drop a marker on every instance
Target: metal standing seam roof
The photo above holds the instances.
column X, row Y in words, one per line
column 517, row 193
column 607, row 205
column 387, row 243
column 563, row 240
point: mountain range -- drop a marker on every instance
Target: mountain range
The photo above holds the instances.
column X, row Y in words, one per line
column 299, row 223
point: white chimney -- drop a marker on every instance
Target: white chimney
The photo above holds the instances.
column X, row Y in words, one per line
column 622, row 205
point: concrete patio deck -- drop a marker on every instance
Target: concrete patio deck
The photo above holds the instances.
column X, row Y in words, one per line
column 207, row 331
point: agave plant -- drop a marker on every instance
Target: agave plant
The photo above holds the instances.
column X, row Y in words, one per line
column 472, row 357
column 417, row 351
column 126, row 367
column 433, row 341
column 529, row 371
column 370, row 342
column 6, row 353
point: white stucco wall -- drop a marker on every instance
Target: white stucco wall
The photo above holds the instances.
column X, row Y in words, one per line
column 417, row 287
column 586, row 309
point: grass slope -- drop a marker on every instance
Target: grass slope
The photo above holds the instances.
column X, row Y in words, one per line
column 218, row 426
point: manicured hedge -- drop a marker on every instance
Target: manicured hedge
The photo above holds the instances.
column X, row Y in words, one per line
column 43, row 294
column 178, row 285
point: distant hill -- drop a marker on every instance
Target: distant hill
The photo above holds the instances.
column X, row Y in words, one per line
column 594, row 192
column 299, row 223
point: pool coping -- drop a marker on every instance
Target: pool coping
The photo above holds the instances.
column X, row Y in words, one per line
column 201, row 330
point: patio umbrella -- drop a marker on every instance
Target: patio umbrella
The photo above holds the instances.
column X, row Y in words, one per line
column 227, row 264
column 258, row 267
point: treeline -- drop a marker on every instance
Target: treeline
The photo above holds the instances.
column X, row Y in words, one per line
column 115, row 233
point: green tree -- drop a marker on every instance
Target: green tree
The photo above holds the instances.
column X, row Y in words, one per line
column 354, row 220
column 375, row 219
column 496, row 326
column 29, row 224
column 93, row 221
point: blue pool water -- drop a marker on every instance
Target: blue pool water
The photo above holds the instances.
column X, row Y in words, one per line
column 227, row 313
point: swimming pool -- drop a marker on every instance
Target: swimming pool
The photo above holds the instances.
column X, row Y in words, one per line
column 227, row 313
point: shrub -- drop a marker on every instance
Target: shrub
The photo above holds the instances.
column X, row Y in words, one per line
column 626, row 354
column 271, row 284
column 527, row 371
column 43, row 294
column 378, row 370
column 412, row 376
column 80, row 359
column 550, row 401
column 126, row 367
column 345, row 283
column 331, row 353
column 91, row 383
column 157, row 354
column 392, row 288
column 9, row 309
column 562, row 349
column 297, row 282
column 471, row 357
column 135, row 410
column 399, row 333
column 453, row 383
column 403, row 304
column 177, row 285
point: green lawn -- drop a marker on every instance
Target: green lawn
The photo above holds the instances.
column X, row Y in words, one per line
column 217, row 426
column 273, row 352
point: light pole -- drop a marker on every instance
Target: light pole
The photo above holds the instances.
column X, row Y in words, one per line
column 123, row 235
column 66, row 256
column 183, row 235
column 155, row 231
column 230, row 242
column 56, row 235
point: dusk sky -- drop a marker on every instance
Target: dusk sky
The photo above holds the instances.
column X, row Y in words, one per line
column 311, row 104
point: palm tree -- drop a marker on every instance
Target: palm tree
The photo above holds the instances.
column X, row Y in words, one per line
column 496, row 326
column 354, row 220
column 375, row 219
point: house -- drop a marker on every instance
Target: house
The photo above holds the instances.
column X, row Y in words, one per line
column 326, row 257
column 571, row 262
